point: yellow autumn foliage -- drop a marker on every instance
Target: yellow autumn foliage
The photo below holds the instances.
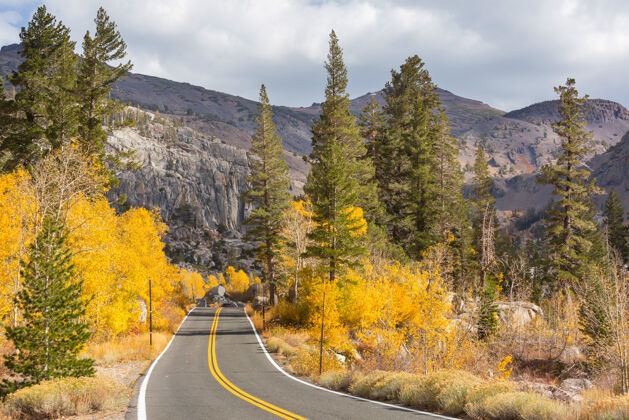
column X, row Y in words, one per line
column 398, row 314
column 16, row 232
column 213, row 281
column 115, row 255
column 193, row 284
column 237, row 281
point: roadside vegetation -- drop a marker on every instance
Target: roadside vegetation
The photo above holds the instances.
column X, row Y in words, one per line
column 74, row 269
column 387, row 283
column 383, row 280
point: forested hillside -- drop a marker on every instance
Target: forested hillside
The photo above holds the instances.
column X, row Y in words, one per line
column 387, row 261
column 517, row 142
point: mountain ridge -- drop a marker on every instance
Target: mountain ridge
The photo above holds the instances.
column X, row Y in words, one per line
column 517, row 142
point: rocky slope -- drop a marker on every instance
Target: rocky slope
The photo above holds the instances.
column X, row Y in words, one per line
column 611, row 170
column 518, row 142
column 195, row 180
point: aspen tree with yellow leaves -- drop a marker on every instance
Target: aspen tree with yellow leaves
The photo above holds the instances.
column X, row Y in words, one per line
column 16, row 232
column 113, row 255
column 297, row 224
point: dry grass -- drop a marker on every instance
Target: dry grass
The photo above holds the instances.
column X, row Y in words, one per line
column 338, row 380
column 302, row 358
column 598, row 404
column 457, row 393
column 477, row 396
column 380, row 385
column 130, row 348
column 66, row 397
column 305, row 362
column 279, row 346
column 294, row 338
column 442, row 390
column 450, row 392
column 518, row 405
column 255, row 317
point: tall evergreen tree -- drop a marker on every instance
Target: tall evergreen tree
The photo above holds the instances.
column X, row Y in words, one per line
column 97, row 75
column 482, row 198
column 614, row 218
column 45, row 81
column 334, row 181
column 371, row 123
column 372, row 128
column 569, row 226
column 449, row 176
column 484, row 214
column 408, row 185
column 9, row 156
column 51, row 304
column 269, row 190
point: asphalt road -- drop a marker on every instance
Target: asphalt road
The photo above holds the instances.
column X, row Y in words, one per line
column 215, row 368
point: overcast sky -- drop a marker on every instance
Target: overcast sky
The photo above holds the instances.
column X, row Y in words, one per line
column 508, row 54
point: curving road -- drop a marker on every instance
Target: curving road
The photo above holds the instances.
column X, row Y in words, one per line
column 215, row 368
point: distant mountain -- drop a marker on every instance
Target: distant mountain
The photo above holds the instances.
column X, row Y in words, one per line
column 517, row 143
column 463, row 113
column 611, row 170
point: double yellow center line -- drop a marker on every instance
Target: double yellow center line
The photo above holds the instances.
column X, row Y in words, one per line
column 216, row 372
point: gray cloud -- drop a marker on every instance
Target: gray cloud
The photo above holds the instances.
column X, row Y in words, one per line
column 506, row 53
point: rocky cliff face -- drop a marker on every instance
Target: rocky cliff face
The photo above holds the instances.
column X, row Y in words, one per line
column 194, row 177
column 195, row 180
column 611, row 170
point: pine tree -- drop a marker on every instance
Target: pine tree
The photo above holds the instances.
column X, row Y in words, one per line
column 50, row 301
column 371, row 123
column 96, row 78
column 408, row 185
column 45, row 81
column 9, row 158
column 334, row 181
column 269, row 190
column 482, row 198
column 484, row 215
column 449, row 176
column 488, row 311
column 570, row 230
column 614, row 218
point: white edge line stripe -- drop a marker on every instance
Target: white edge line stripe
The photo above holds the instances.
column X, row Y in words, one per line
column 142, row 395
column 399, row 407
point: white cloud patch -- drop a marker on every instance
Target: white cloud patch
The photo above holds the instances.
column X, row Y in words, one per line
column 506, row 53
column 8, row 27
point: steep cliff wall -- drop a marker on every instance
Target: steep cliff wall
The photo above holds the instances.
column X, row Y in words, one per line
column 193, row 177
column 195, row 180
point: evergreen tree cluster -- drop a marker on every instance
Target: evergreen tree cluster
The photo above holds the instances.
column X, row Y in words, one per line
column 399, row 163
column 52, row 333
column 269, row 194
column 59, row 95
